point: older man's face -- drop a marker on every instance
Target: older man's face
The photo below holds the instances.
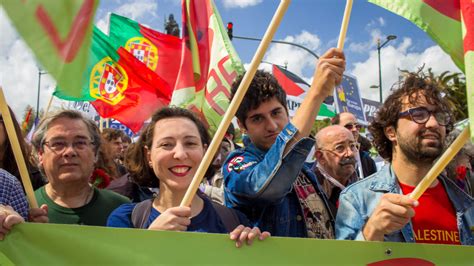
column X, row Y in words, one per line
column 337, row 151
column 67, row 155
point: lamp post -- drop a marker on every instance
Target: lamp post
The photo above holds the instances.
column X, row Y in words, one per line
column 230, row 29
column 40, row 72
column 379, row 46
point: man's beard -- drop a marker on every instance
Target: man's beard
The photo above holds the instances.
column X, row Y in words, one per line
column 415, row 151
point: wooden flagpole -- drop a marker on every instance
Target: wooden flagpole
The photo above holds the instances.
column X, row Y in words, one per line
column 439, row 166
column 20, row 160
column 49, row 105
column 345, row 23
column 234, row 104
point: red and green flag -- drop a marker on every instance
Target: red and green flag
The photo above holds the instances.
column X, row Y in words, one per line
column 450, row 23
column 58, row 33
column 296, row 88
column 467, row 14
column 160, row 52
column 119, row 85
column 209, row 64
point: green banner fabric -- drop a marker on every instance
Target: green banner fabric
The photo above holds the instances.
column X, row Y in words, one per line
column 58, row 33
column 467, row 15
column 51, row 244
column 440, row 19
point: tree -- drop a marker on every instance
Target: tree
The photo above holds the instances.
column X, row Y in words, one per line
column 319, row 124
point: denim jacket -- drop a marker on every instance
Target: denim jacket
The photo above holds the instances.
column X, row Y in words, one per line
column 260, row 184
column 358, row 201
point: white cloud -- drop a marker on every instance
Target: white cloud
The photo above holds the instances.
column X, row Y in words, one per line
column 394, row 58
column 240, row 3
column 381, row 21
column 363, row 47
column 103, row 24
column 296, row 58
column 138, row 9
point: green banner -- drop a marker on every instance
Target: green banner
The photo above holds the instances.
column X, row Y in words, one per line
column 58, row 33
column 434, row 18
column 51, row 244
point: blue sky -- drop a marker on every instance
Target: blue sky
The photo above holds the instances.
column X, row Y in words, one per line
column 311, row 23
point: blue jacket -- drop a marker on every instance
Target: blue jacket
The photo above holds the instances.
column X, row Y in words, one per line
column 358, row 201
column 260, row 184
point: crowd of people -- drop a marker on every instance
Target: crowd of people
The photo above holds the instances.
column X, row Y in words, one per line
column 267, row 186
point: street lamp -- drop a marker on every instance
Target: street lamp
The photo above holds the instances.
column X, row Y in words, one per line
column 230, row 27
column 40, row 72
column 379, row 46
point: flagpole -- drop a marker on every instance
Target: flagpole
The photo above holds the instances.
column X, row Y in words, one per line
column 234, row 104
column 101, row 123
column 14, row 142
column 49, row 104
column 345, row 23
column 442, row 162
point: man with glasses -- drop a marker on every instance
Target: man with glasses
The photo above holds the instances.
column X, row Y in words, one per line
column 67, row 144
column 365, row 162
column 409, row 131
column 335, row 165
column 267, row 180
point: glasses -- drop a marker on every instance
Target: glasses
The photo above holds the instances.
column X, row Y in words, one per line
column 421, row 115
column 341, row 149
column 351, row 126
column 59, row 146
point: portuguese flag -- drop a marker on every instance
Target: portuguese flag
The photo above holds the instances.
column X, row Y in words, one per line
column 120, row 86
column 160, row 52
column 451, row 24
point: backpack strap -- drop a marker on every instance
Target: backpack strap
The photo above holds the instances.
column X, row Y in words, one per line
column 141, row 212
column 228, row 216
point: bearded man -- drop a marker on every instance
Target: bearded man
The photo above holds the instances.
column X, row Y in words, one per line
column 409, row 131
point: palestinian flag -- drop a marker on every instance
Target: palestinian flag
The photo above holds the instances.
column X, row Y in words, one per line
column 120, row 86
column 295, row 88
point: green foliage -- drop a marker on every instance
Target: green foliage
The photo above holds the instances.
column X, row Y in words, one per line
column 319, row 124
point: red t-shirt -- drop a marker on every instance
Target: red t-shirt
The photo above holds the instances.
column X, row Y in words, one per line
column 435, row 218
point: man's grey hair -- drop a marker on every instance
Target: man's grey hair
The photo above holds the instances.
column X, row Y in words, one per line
column 40, row 133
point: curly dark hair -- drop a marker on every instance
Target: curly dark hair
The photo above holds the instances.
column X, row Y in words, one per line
column 263, row 87
column 110, row 134
column 414, row 85
column 135, row 159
